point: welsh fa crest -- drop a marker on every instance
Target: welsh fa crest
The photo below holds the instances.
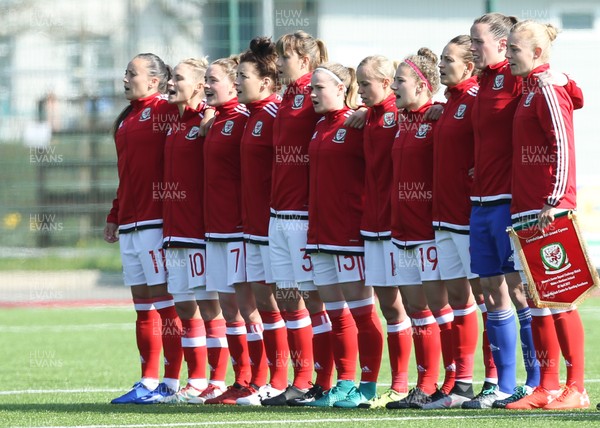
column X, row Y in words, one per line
column 257, row 129
column 554, row 258
column 193, row 134
column 146, row 114
column 227, row 128
column 528, row 99
column 389, row 119
column 498, row 82
column 298, row 102
column 340, row 135
column 422, row 132
column 460, row 112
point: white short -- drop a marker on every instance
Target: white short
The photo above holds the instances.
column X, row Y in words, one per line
column 186, row 271
column 333, row 269
column 143, row 257
column 417, row 264
column 258, row 263
column 454, row 256
column 225, row 265
column 380, row 266
column 290, row 264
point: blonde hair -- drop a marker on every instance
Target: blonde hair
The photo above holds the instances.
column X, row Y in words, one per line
column 425, row 62
column 380, row 65
column 498, row 23
column 303, row 44
column 347, row 75
column 540, row 35
column 229, row 65
column 198, row 66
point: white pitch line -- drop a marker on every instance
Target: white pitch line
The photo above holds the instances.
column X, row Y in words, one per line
column 586, row 415
column 24, row 329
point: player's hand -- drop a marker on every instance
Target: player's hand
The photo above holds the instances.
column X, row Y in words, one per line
column 549, row 78
column 546, row 217
column 357, row 119
column 434, row 113
column 471, row 172
column 207, row 121
column 111, row 234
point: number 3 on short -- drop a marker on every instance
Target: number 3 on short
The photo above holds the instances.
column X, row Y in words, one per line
column 307, row 264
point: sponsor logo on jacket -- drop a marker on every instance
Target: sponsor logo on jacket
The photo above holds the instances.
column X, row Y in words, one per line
column 257, row 131
column 498, row 82
column 146, row 114
column 423, row 130
column 528, row 100
column 298, row 102
column 389, row 119
column 193, row 133
column 460, row 112
column 227, row 128
column 340, row 136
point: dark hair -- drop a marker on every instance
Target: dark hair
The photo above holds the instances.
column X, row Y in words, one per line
column 263, row 55
column 464, row 42
column 156, row 68
column 499, row 24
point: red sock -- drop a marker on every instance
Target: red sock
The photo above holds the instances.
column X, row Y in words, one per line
column 147, row 336
column 238, row 350
column 426, row 337
column 345, row 340
column 547, row 348
column 322, row 348
column 258, row 357
column 171, row 336
column 444, row 318
column 491, row 374
column 370, row 338
column 276, row 348
column 399, row 346
column 194, row 347
column 464, row 339
column 569, row 331
column 217, row 350
column 300, row 334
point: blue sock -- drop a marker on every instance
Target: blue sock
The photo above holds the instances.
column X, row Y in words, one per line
column 532, row 366
column 502, row 333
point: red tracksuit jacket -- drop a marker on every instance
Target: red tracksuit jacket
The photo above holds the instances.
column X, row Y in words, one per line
column 222, row 173
column 493, row 113
column 379, row 132
column 183, row 201
column 337, row 180
column 543, row 148
column 292, row 131
column 257, row 165
column 453, row 158
column 140, row 143
column 412, row 188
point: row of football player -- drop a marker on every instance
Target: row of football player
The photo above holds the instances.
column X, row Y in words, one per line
column 254, row 273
